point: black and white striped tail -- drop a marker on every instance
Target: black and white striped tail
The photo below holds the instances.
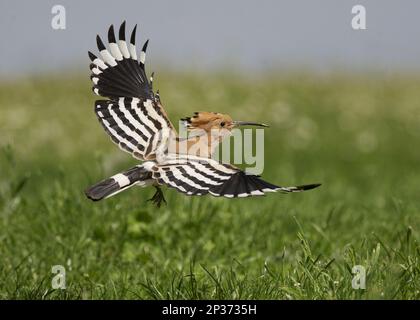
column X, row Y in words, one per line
column 117, row 183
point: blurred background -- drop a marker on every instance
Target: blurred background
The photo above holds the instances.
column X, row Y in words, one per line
column 207, row 35
column 343, row 107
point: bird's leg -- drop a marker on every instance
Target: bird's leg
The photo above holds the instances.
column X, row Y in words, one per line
column 158, row 197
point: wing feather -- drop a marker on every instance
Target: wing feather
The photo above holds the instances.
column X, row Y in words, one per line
column 133, row 116
column 199, row 176
column 130, row 126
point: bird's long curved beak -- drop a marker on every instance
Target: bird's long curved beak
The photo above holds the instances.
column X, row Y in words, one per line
column 246, row 123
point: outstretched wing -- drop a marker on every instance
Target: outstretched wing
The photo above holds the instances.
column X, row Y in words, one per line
column 133, row 116
column 200, row 176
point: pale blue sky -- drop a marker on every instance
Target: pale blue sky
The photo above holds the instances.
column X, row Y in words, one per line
column 250, row 35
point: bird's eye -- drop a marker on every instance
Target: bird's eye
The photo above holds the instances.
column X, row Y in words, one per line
column 222, row 124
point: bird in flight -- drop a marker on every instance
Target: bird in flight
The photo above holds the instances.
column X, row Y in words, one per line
column 133, row 116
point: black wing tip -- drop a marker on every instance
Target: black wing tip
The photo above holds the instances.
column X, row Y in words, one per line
column 92, row 57
column 309, row 186
column 99, row 43
column 133, row 35
column 111, row 34
column 145, row 45
column 121, row 32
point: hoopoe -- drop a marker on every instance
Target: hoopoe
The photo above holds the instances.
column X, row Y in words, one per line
column 136, row 121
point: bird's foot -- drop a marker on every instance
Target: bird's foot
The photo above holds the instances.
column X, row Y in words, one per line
column 158, row 198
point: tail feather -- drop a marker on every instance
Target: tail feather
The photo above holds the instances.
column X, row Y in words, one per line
column 117, row 183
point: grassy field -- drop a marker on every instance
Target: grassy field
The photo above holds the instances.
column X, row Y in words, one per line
column 358, row 136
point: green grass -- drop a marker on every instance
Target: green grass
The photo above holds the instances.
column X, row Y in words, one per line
column 357, row 135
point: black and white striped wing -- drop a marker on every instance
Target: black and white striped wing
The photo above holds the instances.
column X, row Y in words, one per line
column 117, row 73
column 133, row 124
column 133, row 115
column 200, row 176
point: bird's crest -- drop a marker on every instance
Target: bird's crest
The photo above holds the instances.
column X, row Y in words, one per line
column 206, row 120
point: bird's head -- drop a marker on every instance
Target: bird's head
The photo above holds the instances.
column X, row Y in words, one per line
column 215, row 123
